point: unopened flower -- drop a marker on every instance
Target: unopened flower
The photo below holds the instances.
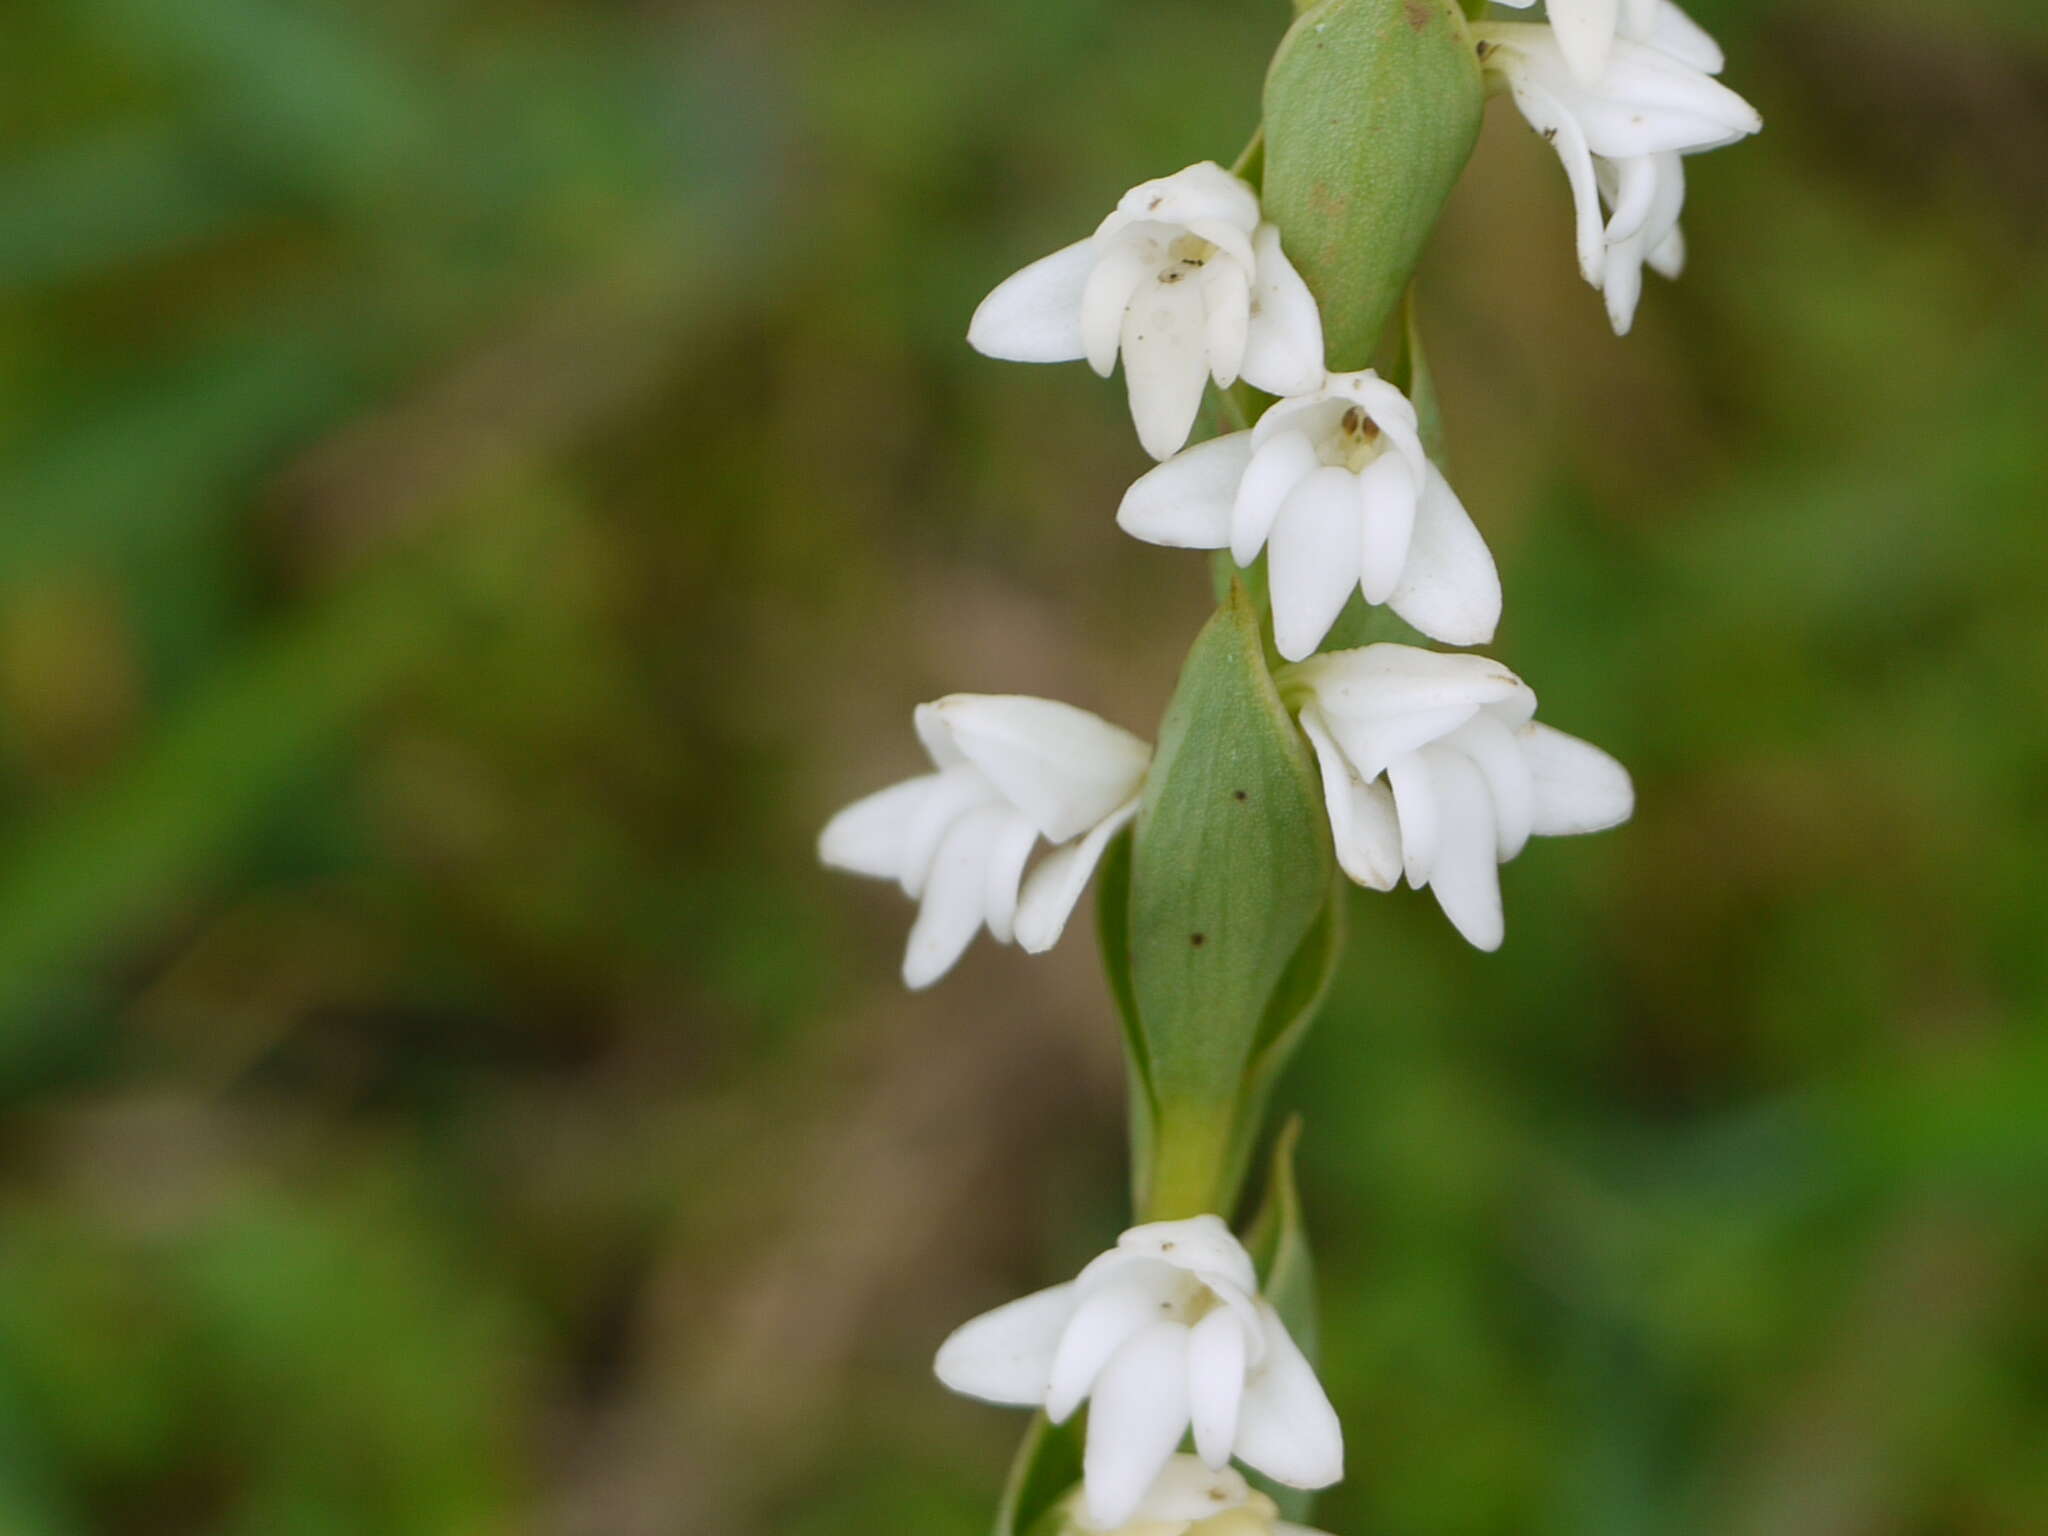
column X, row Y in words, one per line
column 1186, row 282
column 1011, row 770
column 1619, row 136
column 1335, row 486
column 1188, row 1498
column 1432, row 766
column 1163, row 1332
column 1586, row 31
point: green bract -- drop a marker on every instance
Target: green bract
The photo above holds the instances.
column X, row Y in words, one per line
column 1219, row 936
column 1372, row 108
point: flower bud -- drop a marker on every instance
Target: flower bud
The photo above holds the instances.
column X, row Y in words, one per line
column 1372, row 108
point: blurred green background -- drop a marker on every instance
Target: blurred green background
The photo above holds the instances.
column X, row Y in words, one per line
column 482, row 480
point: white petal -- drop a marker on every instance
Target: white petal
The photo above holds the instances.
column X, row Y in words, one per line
column 1623, row 290
column 1386, row 504
column 1585, row 32
column 1549, row 117
column 1449, row 588
column 1216, row 1365
column 1497, row 753
column 1466, row 874
column 1277, row 465
column 1137, row 1416
column 1287, row 1428
column 871, row 835
column 1633, row 195
column 1648, row 102
column 1202, row 193
column 1006, row 857
column 1126, row 260
column 959, row 790
column 1185, row 503
column 1672, row 31
column 1312, row 559
column 1664, row 178
column 951, row 911
column 1386, row 699
column 1197, row 1244
column 1362, row 820
column 1061, row 766
column 1107, row 1317
column 1412, row 783
column 1005, row 1356
column 936, row 739
column 1052, row 889
column 1166, row 362
column 1226, row 300
column 1668, row 259
column 1244, row 1304
column 1034, row 316
column 1578, row 788
column 1284, row 346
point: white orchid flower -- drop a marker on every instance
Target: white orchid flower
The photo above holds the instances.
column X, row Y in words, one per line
column 1186, row 282
column 1190, row 1498
column 1011, row 770
column 1619, row 137
column 1163, row 1332
column 1587, row 29
column 1335, row 486
column 1433, row 767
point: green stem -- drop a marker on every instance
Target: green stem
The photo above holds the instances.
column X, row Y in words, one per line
column 1190, row 1169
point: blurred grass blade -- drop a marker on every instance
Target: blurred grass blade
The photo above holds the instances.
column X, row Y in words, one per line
column 117, row 853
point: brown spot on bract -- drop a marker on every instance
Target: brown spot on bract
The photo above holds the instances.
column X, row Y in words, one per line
column 1198, row 939
column 1237, row 794
column 1419, row 13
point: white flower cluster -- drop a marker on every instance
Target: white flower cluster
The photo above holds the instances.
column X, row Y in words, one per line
column 1433, row 767
column 1623, row 90
column 1164, row 1334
